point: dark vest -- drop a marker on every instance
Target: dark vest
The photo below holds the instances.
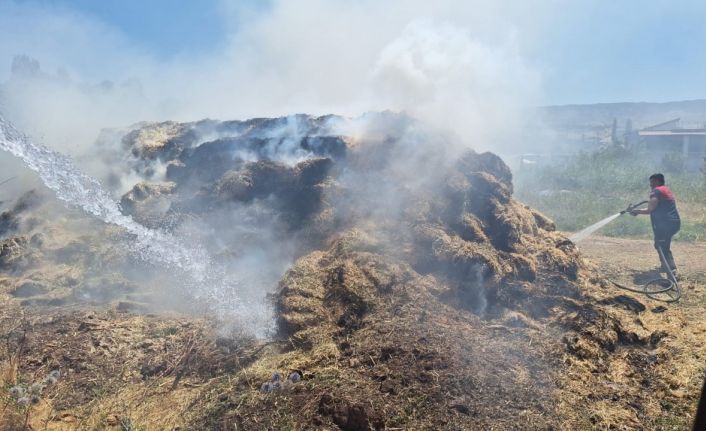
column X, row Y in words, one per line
column 666, row 212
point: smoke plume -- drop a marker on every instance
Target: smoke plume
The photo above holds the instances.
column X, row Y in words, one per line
column 445, row 65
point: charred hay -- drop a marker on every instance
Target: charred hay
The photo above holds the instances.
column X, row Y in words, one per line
column 461, row 308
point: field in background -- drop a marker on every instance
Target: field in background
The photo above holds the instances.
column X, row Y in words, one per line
column 592, row 186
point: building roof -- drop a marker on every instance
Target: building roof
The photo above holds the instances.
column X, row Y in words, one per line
column 671, row 128
column 677, row 132
column 667, row 125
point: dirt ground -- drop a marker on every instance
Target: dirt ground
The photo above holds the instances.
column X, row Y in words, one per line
column 633, row 262
column 618, row 255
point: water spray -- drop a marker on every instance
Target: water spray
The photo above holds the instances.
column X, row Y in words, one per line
column 203, row 279
column 661, row 289
column 585, row 233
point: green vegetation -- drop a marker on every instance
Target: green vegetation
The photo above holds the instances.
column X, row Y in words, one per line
column 591, row 186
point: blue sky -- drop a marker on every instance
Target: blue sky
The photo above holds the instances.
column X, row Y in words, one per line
column 626, row 51
column 163, row 27
column 585, row 51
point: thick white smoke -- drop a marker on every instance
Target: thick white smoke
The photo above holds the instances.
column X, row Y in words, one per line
column 440, row 73
column 456, row 64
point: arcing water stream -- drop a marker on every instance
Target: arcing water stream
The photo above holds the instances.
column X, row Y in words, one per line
column 74, row 187
column 583, row 234
column 205, row 282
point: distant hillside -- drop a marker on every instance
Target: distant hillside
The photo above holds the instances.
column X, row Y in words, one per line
column 642, row 114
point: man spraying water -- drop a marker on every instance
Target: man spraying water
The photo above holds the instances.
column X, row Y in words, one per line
column 662, row 208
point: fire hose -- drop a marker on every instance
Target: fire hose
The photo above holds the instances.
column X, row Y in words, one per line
column 667, row 286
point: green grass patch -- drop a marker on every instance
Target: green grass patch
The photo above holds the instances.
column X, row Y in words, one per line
column 592, row 186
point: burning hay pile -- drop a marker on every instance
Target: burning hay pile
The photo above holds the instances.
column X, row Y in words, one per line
column 432, row 301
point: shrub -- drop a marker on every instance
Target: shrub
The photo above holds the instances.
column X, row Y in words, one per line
column 673, row 162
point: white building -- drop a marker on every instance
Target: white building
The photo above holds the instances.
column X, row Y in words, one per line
column 672, row 137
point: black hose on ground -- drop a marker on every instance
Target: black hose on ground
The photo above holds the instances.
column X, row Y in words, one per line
column 658, row 286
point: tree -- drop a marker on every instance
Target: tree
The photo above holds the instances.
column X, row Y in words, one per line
column 627, row 136
column 614, row 132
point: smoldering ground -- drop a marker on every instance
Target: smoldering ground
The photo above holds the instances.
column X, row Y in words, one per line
column 263, row 193
column 399, row 289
